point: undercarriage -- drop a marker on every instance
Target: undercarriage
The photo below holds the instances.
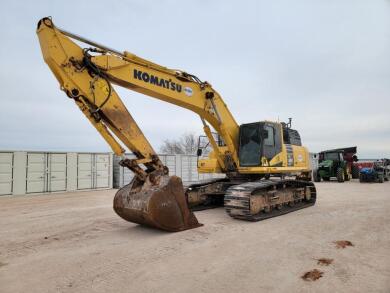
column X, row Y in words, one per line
column 251, row 200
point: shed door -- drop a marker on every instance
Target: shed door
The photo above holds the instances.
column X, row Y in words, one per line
column 102, row 167
column 36, row 171
column 194, row 168
column 188, row 168
column 185, row 169
column 170, row 162
column 84, row 171
column 6, row 164
column 57, row 172
column 128, row 175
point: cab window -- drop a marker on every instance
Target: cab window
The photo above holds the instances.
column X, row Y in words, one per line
column 269, row 135
column 250, row 145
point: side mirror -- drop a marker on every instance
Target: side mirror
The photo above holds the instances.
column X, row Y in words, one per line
column 355, row 158
column 199, row 152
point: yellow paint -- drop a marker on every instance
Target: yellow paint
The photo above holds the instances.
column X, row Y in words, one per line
column 112, row 119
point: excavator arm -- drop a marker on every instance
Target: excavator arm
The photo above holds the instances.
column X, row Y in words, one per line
column 86, row 75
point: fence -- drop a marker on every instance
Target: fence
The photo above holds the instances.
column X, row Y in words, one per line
column 184, row 166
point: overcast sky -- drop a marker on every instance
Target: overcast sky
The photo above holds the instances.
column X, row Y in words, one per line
column 324, row 63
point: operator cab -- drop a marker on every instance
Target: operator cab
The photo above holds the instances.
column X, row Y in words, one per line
column 257, row 140
column 264, row 139
column 332, row 156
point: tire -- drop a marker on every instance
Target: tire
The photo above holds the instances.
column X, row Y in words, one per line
column 381, row 179
column 340, row 175
column 355, row 172
column 386, row 178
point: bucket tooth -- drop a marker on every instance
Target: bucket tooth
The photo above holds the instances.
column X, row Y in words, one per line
column 160, row 205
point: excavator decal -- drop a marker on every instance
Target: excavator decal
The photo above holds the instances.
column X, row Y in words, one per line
column 168, row 84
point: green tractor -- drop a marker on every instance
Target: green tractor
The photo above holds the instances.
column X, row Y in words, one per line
column 336, row 163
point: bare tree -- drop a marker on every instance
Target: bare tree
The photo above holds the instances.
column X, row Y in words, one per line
column 171, row 147
column 186, row 144
column 189, row 143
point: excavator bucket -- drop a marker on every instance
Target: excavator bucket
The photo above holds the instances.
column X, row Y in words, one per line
column 161, row 204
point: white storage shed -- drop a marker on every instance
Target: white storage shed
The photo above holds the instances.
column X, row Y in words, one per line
column 24, row 172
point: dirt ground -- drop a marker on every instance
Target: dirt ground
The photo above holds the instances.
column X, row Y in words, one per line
column 74, row 242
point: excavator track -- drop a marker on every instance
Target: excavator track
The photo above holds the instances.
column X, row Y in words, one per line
column 240, row 199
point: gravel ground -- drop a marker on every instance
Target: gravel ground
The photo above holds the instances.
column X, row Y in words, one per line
column 74, row 242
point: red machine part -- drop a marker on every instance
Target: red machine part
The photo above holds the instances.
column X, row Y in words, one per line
column 364, row 164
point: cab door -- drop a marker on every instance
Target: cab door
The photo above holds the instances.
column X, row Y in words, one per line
column 250, row 145
column 272, row 144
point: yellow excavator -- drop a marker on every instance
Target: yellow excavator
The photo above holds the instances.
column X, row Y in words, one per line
column 248, row 154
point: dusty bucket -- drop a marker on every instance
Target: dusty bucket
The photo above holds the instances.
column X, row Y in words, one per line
column 160, row 205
